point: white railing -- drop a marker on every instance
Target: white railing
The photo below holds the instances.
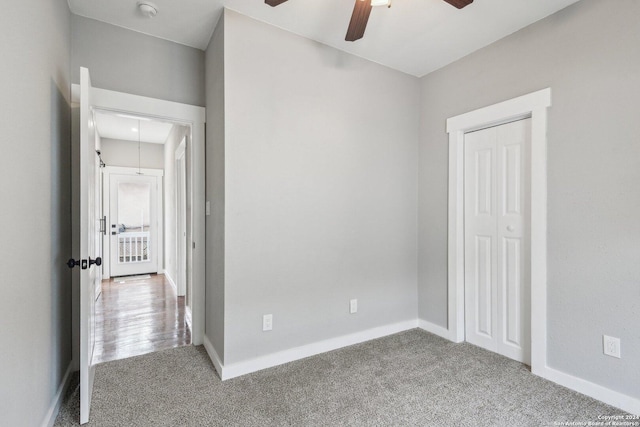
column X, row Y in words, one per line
column 133, row 247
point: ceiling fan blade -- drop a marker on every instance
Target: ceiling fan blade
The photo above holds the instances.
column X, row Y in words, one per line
column 459, row 3
column 274, row 3
column 359, row 18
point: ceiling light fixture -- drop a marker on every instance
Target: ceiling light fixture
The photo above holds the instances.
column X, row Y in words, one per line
column 147, row 9
column 381, row 3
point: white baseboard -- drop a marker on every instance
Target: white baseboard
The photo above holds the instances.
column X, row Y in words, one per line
column 213, row 355
column 170, row 280
column 434, row 329
column 603, row 394
column 270, row 360
column 52, row 413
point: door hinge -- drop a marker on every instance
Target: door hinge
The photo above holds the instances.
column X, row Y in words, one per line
column 103, row 225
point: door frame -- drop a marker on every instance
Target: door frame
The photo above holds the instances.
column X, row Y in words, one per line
column 107, row 171
column 533, row 105
column 194, row 117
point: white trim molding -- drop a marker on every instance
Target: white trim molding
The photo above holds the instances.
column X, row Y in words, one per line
column 56, row 403
column 244, row 367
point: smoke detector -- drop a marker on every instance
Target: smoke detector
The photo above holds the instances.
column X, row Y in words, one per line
column 147, row 9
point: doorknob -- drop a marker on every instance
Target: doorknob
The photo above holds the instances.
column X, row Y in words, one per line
column 510, row 228
column 97, row 261
column 79, row 262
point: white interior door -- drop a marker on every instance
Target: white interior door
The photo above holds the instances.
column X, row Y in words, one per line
column 497, row 276
column 89, row 243
column 133, row 217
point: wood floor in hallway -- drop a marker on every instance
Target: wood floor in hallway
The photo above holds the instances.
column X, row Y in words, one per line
column 138, row 315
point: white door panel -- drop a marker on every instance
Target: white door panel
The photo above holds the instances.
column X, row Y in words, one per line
column 512, row 292
column 496, row 239
column 89, row 249
column 483, row 280
column 480, row 239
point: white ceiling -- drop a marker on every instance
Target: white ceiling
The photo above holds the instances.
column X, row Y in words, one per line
column 413, row 36
column 113, row 126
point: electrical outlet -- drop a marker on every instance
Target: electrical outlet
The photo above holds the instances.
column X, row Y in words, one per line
column 207, row 208
column 611, row 346
column 267, row 322
column 353, row 306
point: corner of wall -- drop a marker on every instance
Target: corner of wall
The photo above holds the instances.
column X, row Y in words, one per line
column 215, row 191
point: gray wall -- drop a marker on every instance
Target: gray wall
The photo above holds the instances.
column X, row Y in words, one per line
column 321, row 191
column 215, row 189
column 35, row 310
column 588, row 54
column 115, row 152
column 131, row 62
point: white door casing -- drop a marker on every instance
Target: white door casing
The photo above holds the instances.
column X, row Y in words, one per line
column 497, row 291
column 89, row 249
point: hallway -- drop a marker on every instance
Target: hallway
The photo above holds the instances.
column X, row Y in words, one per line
column 138, row 315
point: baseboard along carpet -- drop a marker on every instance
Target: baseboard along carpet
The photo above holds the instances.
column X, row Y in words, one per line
column 412, row 378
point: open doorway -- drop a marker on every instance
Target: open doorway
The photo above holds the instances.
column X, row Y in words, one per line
column 142, row 306
column 91, row 100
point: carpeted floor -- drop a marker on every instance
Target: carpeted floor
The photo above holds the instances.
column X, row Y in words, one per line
column 409, row 379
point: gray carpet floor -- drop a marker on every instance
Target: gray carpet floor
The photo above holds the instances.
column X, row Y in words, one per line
column 409, row 379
